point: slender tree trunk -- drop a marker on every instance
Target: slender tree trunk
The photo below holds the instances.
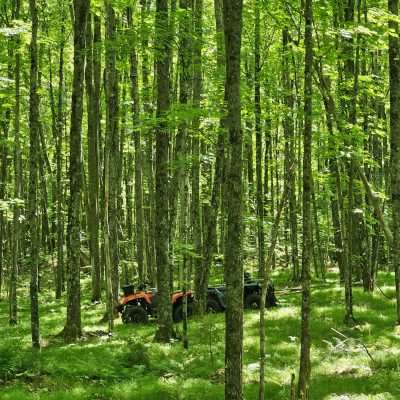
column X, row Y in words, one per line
column 184, row 234
column 200, row 284
column 59, row 145
column 290, row 158
column 138, row 159
column 93, row 166
column 266, row 270
column 211, row 210
column 4, row 154
column 232, row 11
column 319, row 261
column 112, row 139
column 180, row 151
column 259, row 183
column 394, row 73
column 148, row 165
column 97, row 72
column 73, row 329
column 305, row 362
column 349, row 103
column 222, row 141
column 109, row 317
column 44, row 174
column 165, row 328
column 336, row 196
column 257, row 117
column 120, row 174
column 33, row 177
column 13, row 314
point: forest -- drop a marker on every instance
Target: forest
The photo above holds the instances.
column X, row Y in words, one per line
column 199, row 199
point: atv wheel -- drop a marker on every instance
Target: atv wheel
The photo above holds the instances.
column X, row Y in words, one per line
column 178, row 311
column 133, row 314
column 271, row 300
column 213, row 306
column 253, row 301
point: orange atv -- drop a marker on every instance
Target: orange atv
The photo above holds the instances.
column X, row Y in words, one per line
column 137, row 306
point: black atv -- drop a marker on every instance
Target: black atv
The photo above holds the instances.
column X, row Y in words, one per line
column 215, row 304
column 252, row 293
column 215, row 300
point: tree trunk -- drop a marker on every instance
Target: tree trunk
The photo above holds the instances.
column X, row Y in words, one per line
column 265, row 273
column 73, row 329
column 200, row 283
column 138, row 159
column 13, row 319
column 164, row 310
column 290, row 158
column 349, row 103
column 394, row 73
column 148, row 165
column 4, row 154
column 232, row 11
column 112, row 139
column 93, row 165
column 33, row 177
column 109, row 317
column 305, row 362
column 180, row 151
column 259, row 192
column 211, row 209
column 59, row 145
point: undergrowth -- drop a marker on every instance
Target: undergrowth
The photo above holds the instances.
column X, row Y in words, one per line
column 361, row 362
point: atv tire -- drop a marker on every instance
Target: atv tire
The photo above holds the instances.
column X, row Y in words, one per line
column 177, row 313
column 253, row 301
column 213, row 306
column 134, row 314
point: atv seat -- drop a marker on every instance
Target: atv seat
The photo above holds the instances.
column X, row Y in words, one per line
column 128, row 289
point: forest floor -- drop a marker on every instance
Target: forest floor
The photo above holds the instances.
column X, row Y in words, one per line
column 130, row 366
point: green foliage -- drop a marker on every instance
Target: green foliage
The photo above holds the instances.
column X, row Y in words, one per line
column 386, row 361
column 8, row 362
column 130, row 366
column 135, row 355
column 15, row 362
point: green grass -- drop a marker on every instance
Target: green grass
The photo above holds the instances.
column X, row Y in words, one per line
column 130, row 366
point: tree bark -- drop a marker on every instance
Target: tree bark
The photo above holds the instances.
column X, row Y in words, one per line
column 33, row 177
column 164, row 310
column 13, row 314
column 394, row 74
column 138, row 158
column 232, row 12
column 266, row 271
column 211, row 209
column 180, row 150
column 93, row 165
column 73, row 328
column 148, row 165
column 290, row 157
column 200, row 281
column 305, row 362
column 259, row 183
column 112, row 139
column 353, row 219
column 59, row 145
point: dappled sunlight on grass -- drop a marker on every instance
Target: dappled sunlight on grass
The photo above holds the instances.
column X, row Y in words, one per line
column 130, row 366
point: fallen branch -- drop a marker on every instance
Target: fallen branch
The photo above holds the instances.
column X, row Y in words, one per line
column 298, row 289
column 389, row 298
column 357, row 340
